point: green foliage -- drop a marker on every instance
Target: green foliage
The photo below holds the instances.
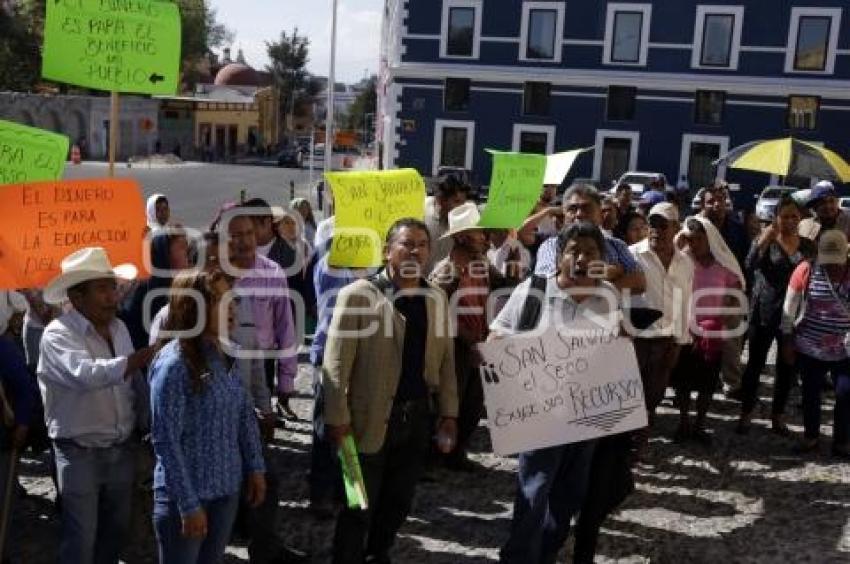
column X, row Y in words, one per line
column 365, row 103
column 288, row 66
column 20, row 45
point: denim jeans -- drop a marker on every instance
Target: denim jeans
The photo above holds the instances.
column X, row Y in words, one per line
column 551, row 487
column 813, row 372
column 96, row 485
column 174, row 548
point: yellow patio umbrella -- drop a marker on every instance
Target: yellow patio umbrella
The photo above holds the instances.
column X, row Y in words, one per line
column 788, row 157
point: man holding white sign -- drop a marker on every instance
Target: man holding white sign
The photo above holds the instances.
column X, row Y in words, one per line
column 563, row 379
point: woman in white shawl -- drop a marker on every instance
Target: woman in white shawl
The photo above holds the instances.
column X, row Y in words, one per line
column 718, row 284
column 158, row 212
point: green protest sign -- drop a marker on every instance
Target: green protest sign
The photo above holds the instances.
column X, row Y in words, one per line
column 28, row 154
column 113, row 45
column 515, row 185
column 352, row 476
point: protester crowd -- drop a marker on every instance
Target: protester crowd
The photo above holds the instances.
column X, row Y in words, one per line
column 194, row 367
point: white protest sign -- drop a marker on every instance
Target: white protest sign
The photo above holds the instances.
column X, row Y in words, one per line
column 559, row 164
column 559, row 386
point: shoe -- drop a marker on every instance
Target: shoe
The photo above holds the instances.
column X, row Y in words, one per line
column 735, row 395
column 461, row 463
column 779, row 427
column 841, row 453
column 805, row 446
column 289, row 555
column 702, row 436
column 322, row 509
column 744, row 424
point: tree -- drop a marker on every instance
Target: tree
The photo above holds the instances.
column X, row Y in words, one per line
column 288, row 69
column 201, row 33
column 21, row 26
column 364, row 104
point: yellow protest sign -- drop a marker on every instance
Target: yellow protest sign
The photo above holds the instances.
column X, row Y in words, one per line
column 367, row 203
column 28, row 154
column 114, row 45
column 43, row 222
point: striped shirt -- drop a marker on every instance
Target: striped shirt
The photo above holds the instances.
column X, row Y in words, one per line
column 820, row 333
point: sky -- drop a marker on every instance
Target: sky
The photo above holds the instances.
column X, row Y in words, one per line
column 358, row 31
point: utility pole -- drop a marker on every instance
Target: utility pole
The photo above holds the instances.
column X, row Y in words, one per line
column 329, row 119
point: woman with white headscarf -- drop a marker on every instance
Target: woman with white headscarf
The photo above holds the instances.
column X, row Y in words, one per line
column 158, row 212
column 718, row 283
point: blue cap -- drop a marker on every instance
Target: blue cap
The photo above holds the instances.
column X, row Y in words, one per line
column 652, row 197
column 821, row 190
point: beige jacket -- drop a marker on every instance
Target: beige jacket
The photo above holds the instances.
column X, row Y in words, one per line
column 362, row 362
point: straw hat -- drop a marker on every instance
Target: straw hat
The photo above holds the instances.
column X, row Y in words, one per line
column 463, row 218
column 90, row 263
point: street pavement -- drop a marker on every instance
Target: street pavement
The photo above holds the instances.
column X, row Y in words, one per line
column 196, row 190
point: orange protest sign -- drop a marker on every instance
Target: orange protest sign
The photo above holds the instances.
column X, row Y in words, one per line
column 43, row 222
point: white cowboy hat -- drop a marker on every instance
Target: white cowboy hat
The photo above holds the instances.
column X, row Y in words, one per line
column 463, row 218
column 90, row 263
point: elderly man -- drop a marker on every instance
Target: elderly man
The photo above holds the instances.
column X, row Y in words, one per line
column 86, row 373
column 389, row 349
column 468, row 279
column 451, row 191
column 265, row 324
column 823, row 201
column 583, row 203
column 669, row 280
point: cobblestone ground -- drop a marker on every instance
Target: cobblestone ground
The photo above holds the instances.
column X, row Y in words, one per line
column 747, row 499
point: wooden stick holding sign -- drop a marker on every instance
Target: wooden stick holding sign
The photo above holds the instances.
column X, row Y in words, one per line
column 113, row 131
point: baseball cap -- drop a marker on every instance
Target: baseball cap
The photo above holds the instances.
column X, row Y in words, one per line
column 666, row 210
column 832, row 247
column 822, row 189
column 652, row 197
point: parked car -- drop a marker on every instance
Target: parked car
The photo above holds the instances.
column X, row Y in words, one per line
column 802, row 196
column 640, row 180
column 769, row 199
column 292, row 157
column 844, row 203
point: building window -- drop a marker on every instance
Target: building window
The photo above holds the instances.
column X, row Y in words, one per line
column 621, row 103
column 453, row 142
column 456, row 95
column 813, row 40
column 709, row 105
column 542, row 31
column 461, row 29
column 803, row 112
column 717, row 37
column 812, row 43
column 528, row 138
column 535, row 100
column 627, row 34
column 616, row 152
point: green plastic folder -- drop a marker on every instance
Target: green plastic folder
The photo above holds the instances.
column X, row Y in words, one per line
column 355, row 487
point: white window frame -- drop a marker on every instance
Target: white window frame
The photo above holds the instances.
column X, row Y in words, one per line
column 688, row 139
column 602, row 135
column 832, row 45
column 699, row 35
column 558, row 8
column 520, row 128
column 439, row 126
column 608, row 49
column 478, row 6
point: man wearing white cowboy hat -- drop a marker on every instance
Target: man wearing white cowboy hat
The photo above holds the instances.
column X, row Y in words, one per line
column 85, row 374
column 468, row 279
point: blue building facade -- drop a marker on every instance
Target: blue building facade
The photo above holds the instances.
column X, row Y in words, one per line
column 663, row 86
